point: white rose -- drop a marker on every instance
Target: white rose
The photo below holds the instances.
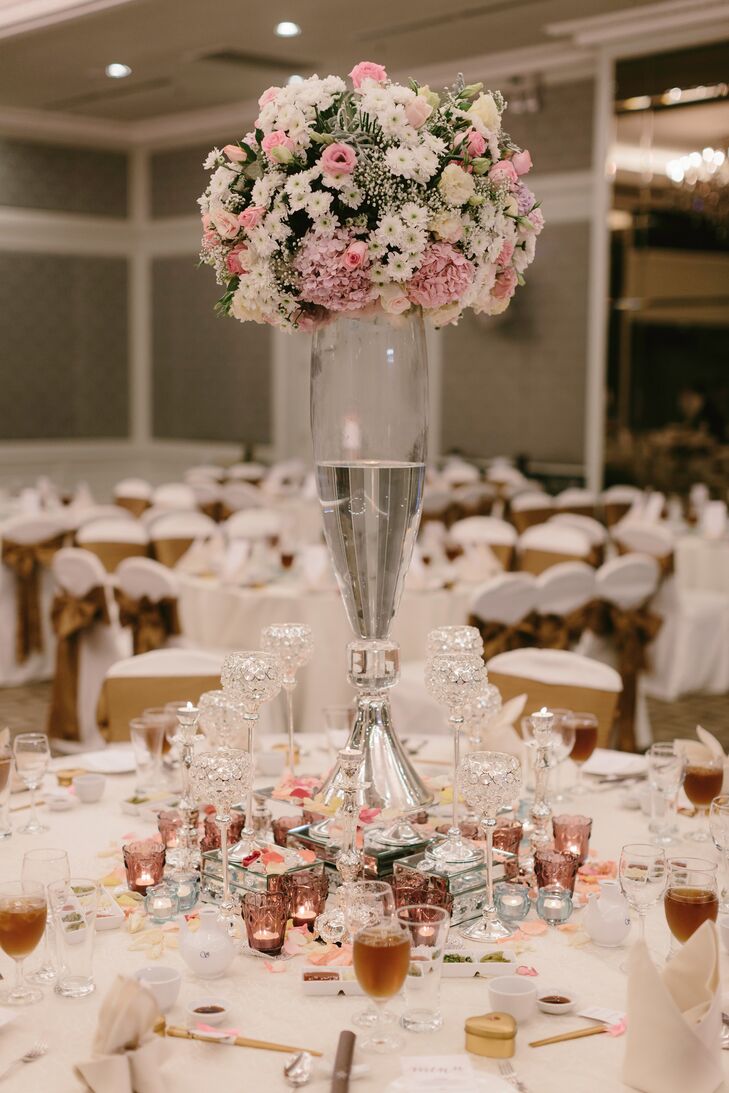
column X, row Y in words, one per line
column 226, row 223
column 393, row 298
column 444, row 316
column 485, row 111
column 511, row 207
column 456, row 185
column 447, row 226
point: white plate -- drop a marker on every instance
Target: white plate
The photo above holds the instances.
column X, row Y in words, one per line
column 114, row 760
column 480, row 1083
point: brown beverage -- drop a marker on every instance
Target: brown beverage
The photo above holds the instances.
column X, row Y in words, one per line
column 381, row 956
column 686, row 908
column 702, row 784
column 585, row 741
column 22, row 922
column 287, row 559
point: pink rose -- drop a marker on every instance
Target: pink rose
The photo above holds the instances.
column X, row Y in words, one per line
column 522, row 162
column 367, row 70
column 505, row 284
column 354, row 255
column 206, row 221
column 505, row 254
column 251, row 217
column 536, row 219
column 235, row 153
column 503, row 171
column 268, row 96
column 275, row 140
column 226, row 223
column 417, row 111
column 338, row 159
column 235, row 257
column 443, row 276
column 475, row 143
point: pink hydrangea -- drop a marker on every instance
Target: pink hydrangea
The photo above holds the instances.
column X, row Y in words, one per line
column 367, row 70
column 443, row 276
column 327, row 278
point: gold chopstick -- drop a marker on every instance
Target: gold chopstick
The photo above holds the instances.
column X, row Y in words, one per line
column 21, row 808
column 163, row 1029
column 577, row 1034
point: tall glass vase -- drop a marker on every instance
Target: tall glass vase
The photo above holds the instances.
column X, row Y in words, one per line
column 369, row 418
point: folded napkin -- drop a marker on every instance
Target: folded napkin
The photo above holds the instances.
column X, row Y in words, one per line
column 235, row 561
column 478, row 563
column 128, row 1056
column 202, row 557
column 500, row 733
column 674, row 1019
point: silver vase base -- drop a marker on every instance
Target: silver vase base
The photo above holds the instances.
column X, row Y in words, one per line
column 488, row 928
column 454, row 850
column 399, row 833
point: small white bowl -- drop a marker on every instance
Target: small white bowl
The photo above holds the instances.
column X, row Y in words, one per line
column 513, row 994
column 89, row 787
column 207, row 1018
column 163, row 982
column 59, row 800
column 556, row 1007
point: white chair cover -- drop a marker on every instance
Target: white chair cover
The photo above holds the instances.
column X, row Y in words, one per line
column 246, row 472
column 285, row 479
column 183, row 525
column 140, row 577
column 241, row 495
column 525, row 502
column 133, row 487
column 204, row 472
column 78, row 517
column 456, row 472
column 592, row 528
column 575, row 498
column 174, row 495
column 507, row 598
column 483, row 529
column 713, row 520
column 258, row 523
column 112, row 530
column 557, row 666
column 564, row 588
column 644, row 537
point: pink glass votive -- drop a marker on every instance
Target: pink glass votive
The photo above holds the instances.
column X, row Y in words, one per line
column 265, row 915
column 507, row 837
column 555, row 867
column 144, row 862
column 211, row 837
column 282, row 826
column 307, row 894
column 572, row 834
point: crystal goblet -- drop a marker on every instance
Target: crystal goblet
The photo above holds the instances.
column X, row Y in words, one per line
column 454, row 639
column 490, row 779
column 479, row 714
column 293, row 644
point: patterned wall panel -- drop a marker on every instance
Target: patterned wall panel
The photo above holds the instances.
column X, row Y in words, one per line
column 516, row 383
column 62, row 179
column 177, row 179
column 63, row 332
column 559, row 136
column 211, row 376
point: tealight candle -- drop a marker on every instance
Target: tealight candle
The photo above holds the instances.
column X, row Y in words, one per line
column 161, row 902
column 304, row 915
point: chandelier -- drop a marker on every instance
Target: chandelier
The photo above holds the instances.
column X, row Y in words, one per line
column 702, row 181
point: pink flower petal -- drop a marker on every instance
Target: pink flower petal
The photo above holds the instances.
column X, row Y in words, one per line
column 275, row 968
column 618, row 1028
column 534, row 929
column 526, row 969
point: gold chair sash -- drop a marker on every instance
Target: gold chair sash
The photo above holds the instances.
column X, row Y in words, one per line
column 112, row 554
column 500, row 637
column 561, row 631
column 527, row 518
column 70, row 616
column 615, row 511
column 135, row 505
column 536, row 561
column 169, row 551
column 26, row 560
column 561, row 696
column 213, row 509
column 124, row 697
column 151, row 621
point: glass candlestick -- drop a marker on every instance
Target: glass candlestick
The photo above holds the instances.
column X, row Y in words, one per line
column 251, row 679
column 331, row 924
column 455, row 680
column 293, row 644
column 187, row 856
column 540, row 813
column 479, row 714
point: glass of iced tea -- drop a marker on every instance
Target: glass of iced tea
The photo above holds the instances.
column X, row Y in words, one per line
column 702, row 782
column 691, row 897
column 23, row 912
column 585, row 729
column 381, row 955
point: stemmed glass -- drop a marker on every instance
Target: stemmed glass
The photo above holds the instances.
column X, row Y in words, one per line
column 221, row 778
column 585, row 726
column 719, row 827
column 454, row 639
column 32, row 755
column 455, row 680
column 381, row 955
column 293, row 644
column 643, row 875
column 490, row 779
column 702, row 782
column 665, row 777
column 691, row 896
column 45, row 867
column 23, row 912
column 251, row 679
column 222, row 719
column 368, row 902
column 480, row 713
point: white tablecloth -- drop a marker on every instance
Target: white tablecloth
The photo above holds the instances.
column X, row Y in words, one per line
column 272, row 1007
column 702, row 564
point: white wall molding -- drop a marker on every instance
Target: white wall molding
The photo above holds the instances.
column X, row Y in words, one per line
column 63, row 233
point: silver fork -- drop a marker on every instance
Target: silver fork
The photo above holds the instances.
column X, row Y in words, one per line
column 39, row 1048
column 507, row 1071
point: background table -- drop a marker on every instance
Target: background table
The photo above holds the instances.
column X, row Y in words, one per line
column 702, row 564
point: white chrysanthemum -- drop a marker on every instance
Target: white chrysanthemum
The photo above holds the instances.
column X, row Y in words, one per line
column 415, row 216
column 262, row 242
column 212, row 159
column 394, row 122
column 220, row 182
column 401, row 161
column 351, row 196
column 413, row 240
column 389, row 231
column 378, row 273
column 299, row 192
column 265, row 187
column 375, row 100
column 318, row 204
column 326, row 225
column 400, row 267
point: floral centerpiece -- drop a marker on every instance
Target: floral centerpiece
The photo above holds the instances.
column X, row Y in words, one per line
column 376, row 197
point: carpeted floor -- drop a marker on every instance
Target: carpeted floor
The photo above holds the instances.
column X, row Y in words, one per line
column 24, row 709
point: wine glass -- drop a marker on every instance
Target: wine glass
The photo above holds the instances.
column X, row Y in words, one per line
column 381, row 955
column 719, row 827
column 366, row 902
column 702, row 782
column 490, row 779
column 23, row 912
column 32, row 755
column 46, row 866
column 585, row 727
column 293, row 644
column 665, row 777
column 691, row 896
column 642, row 873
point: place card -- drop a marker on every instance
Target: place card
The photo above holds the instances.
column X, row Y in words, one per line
column 598, row 1013
column 439, row 1073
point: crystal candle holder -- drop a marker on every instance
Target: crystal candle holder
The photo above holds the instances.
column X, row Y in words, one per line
column 161, row 902
column 144, row 862
column 265, row 915
column 572, row 834
column 512, row 902
column 293, row 644
column 187, row 889
column 307, row 895
column 554, row 904
column 555, row 867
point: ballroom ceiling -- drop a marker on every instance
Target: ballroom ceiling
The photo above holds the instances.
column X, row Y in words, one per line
column 194, row 54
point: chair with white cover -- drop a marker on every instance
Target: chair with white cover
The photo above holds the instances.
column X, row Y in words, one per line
column 113, row 540
column 153, row 679
column 476, row 499
column 577, row 500
column 545, row 545
column 173, row 534
column 29, row 544
column 563, row 593
column 88, row 641
column 457, row 472
column 593, row 529
column 76, row 518
column 204, row 472
column 254, row 524
column 246, row 472
column 236, row 496
column 559, row 679
column 438, row 505
column 498, row 535
column 617, row 502
column 208, row 498
column 501, row 610
column 530, row 508
column 147, row 594
column 134, row 494
column 285, row 479
column 174, row 495
column 643, row 537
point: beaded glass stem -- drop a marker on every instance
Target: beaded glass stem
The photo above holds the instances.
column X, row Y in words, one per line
column 331, row 924
column 189, row 851
column 293, row 644
column 490, row 779
column 540, row 813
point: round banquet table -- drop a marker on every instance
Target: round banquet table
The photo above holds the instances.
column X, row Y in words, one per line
column 702, row 564
column 222, row 617
column 272, row 1007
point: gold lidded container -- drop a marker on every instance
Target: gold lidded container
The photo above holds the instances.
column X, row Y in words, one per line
column 492, row 1035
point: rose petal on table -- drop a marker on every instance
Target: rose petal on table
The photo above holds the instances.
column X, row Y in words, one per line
column 618, row 1028
column 111, row 880
column 307, row 856
column 526, row 969
column 275, row 868
column 568, row 927
column 274, row 967
column 130, row 837
column 271, row 856
column 534, row 929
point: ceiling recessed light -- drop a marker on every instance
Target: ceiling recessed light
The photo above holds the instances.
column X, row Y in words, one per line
column 287, row 29
column 294, row 80
column 117, row 71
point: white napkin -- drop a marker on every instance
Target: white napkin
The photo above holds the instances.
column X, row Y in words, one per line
column 478, row 563
column 674, row 1019
column 235, row 561
column 604, row 762
column 128, row 1056
column 710, row 741
column 202, row 557
column 500, row 733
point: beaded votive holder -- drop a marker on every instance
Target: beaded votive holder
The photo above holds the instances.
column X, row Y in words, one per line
column 465, row 884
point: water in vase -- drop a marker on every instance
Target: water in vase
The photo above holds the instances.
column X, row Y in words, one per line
column 371, row 511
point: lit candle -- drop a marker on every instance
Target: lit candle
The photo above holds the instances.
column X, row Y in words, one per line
column 425, row 935
column 304, row 915
column 267, row 941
